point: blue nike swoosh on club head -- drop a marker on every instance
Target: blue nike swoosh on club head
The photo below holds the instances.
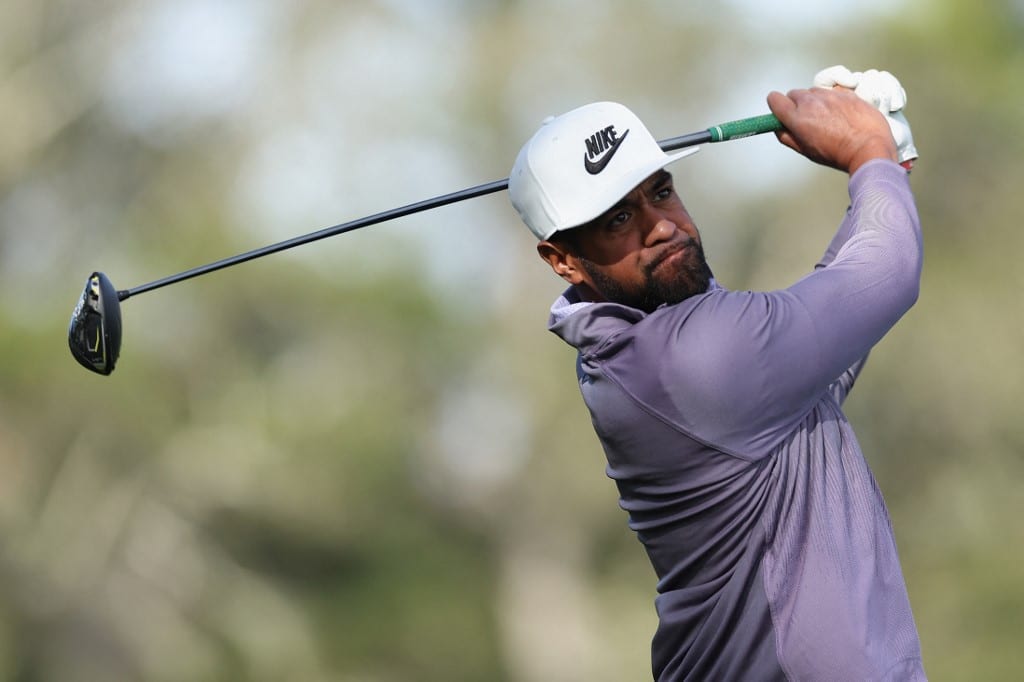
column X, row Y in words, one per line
column 595, row 167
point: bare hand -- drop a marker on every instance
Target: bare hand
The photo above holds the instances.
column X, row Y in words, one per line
column 832, row 127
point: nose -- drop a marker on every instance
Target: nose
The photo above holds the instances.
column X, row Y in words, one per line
column 662, row 230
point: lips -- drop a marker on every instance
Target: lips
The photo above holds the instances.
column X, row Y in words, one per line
column 673, row 251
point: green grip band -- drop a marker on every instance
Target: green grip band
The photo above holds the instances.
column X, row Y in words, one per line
column 745, row 127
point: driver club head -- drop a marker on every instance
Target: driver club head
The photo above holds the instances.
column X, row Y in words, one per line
column 94, row 333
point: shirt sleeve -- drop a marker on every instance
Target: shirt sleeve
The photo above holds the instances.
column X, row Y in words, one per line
column 739, row 370
column 842, row 386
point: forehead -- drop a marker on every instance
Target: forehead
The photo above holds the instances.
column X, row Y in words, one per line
column 651, row 182
column 658, row 177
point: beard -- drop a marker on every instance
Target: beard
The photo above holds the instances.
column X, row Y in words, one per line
column 691, row 276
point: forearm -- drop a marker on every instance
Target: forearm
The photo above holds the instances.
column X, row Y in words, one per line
column 844, row 383
column 846, row 230
column 874, row 271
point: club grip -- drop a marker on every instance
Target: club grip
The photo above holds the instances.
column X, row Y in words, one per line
column 744, row 127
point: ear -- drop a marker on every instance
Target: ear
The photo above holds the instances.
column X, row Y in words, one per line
column 561, row 260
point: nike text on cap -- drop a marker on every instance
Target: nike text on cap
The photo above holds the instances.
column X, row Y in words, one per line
column 580, row 164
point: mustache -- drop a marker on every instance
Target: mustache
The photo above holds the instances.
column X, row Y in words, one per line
column 669, row 251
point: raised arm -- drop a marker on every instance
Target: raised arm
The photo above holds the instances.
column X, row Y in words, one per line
column 752, row 364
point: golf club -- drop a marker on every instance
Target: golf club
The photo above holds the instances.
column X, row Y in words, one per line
column 94, row 333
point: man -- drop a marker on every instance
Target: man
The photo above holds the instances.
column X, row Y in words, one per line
column 719, row 411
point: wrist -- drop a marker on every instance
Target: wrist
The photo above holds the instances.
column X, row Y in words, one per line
column 877, row 148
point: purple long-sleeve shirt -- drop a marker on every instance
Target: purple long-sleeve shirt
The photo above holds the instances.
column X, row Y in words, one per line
column 720, row 418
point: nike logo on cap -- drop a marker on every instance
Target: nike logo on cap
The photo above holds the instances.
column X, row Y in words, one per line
column 601, row 147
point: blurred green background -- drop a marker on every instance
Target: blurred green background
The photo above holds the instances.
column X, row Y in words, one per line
column 366, row 459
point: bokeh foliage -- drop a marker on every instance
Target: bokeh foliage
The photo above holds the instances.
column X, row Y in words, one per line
column 367, row 460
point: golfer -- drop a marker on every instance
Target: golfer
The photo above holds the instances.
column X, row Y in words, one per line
column 720, row 411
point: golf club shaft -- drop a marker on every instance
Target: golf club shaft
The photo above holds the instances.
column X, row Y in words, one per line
column 726, row 131
column 409, row 209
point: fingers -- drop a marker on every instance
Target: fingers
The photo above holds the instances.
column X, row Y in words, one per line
column 882, row 90
column 798, row 106
column 837, row 75
column 780, row 105
column 836, row 122
column 805, row 116
column 879, row 88
column 784, row 109
column 906, row 151
column 833, row 127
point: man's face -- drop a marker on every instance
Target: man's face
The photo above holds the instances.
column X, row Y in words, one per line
column 644, row 251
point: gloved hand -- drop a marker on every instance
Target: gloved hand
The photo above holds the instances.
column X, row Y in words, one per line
column 882, row 91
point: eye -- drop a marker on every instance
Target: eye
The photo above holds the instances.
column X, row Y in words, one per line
column 617, row 219
column 662, row 192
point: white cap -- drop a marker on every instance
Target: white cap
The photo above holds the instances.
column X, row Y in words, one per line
column 580, row 164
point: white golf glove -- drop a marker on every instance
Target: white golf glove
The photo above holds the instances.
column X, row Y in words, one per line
column 881, row 90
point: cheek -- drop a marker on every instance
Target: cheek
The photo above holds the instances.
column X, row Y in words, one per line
column 619, row 251
column 626, row 275
column 686, row 224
